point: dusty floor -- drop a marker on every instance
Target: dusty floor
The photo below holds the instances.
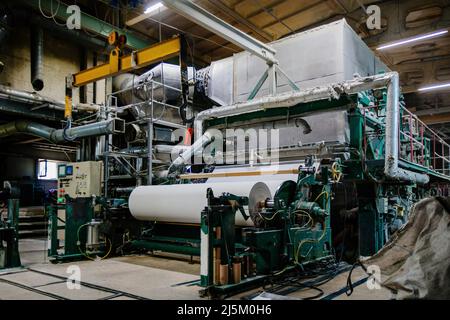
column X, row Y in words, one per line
column 133, row 277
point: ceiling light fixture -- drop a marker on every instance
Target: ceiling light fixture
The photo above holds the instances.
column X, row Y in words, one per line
column 413, row 39
column 435, row 87
column 153, row 8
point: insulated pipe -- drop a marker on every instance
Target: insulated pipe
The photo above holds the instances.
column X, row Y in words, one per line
column 169, row 73
column 195, row 149
column 160, row 148
column 391, row 168
column 57, row 135
column 333, row 91
column 292, row 98
column 23, row 13
column 36, row 57
column 33, row 98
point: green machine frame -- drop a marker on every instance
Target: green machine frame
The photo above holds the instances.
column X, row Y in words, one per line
column 290, row 231
column 78, row 213
column 379, row 201
column 9, row 233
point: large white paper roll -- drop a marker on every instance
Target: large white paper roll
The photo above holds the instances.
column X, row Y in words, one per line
column 183, row 203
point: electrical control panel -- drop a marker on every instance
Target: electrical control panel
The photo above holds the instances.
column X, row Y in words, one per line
column 79, row 179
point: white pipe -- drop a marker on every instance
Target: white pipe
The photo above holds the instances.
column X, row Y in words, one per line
column 31, row 97
column 391, row 169
column 197, row 147
column 333, row 91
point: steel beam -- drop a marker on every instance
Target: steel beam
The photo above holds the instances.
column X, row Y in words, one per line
column 240, row 19
column 22, row 110
column 431, row 111
column 89, row 22
column 435, row 118
column 210, row 22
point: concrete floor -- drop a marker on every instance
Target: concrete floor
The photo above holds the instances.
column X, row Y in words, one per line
column 131, row 277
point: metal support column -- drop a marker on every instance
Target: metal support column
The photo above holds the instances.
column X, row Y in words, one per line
column 150, row 148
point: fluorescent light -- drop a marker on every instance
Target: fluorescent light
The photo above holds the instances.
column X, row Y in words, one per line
column 414, row 39
column 149, row 12
column 154, row 7
column 435, row 87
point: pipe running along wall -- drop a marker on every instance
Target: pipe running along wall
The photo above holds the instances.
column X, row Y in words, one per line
column 34, row 98
column 58, row 135
column 333, row 91
column 36, row 57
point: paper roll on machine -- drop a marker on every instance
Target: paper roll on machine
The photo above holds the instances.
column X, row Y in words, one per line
column 329, row 164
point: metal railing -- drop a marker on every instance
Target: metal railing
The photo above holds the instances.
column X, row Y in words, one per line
column 418, row 143
column 423, row 145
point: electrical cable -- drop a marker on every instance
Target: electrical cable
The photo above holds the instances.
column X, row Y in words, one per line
column 52, row 15
column 336, row 172
column 271, row 218
column 323, row 271
column 349, row 278
column 310, row 240
column 56, row 13
column 320, row 194
column 84, row 253
column 67, row 127
column 305, row 213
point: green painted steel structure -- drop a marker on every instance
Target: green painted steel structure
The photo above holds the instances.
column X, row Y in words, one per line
column 281, row 239
column 89, row 22
column 9, row 234
column 77, row 214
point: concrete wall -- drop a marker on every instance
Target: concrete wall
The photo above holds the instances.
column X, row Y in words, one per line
column 61, row 58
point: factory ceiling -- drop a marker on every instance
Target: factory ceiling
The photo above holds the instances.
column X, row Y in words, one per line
column 420, row 64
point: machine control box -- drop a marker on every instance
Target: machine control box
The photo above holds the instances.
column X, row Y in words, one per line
column 79, row 179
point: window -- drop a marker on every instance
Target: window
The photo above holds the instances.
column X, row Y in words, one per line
column 48, row 169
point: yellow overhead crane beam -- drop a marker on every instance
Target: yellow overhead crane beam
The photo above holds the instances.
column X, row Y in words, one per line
column 118, row 64
column 138, row 59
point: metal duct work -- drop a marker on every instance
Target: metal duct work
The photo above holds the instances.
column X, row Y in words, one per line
column 132, row 89
column 333, row 91
column 391, row 169
column 36, row 57
column 164, row 72
column 57, row 135
column 34, row 98
column 195, row 149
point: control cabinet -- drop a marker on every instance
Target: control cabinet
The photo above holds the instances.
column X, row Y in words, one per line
column 79, row 179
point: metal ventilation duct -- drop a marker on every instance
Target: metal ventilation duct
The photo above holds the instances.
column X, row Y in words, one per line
column 110, row 126
column 36, row 57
